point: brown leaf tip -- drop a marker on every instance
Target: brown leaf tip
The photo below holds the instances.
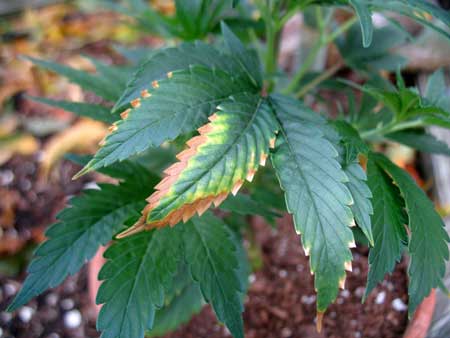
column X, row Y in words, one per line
column 145, row 94
column 136, row 102
column 319, row 320
column 272, row 143
column 155, row 84
column 124, row 114
column 112, row 128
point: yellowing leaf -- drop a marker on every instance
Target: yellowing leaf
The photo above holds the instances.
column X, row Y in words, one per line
column 228, row 151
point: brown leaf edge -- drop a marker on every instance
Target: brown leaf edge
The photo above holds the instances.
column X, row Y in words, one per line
column 172, row 173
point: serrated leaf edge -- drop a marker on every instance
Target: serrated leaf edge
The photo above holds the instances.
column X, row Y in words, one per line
column 188, row 210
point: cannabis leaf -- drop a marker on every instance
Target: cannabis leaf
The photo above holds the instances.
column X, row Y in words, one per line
column 420, row 140
column 175, row 105
column 436, row 90
column 181, row 57
column 351, row 141
column 245, row 205
column 307, row 167
column 187, row 302
column 408, row 105
column 379, row 55
column 89, row 222
column 388, row 222
column 228, row 150
column 428, row 243
column 365, row 20
column 247, row 59
column 212, row 259
column 105, row 87
column 135, row 276
column 361, row 194
column 93, row 111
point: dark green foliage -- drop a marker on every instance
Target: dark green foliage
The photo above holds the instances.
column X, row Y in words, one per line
column 211, row 255
column 388, row 220
column 308, row 170
column 137, row 271
column 219, row 101
column 104, row 86
column 427, row 265
column 421, row 141
column 90, row 221
column 93, row 111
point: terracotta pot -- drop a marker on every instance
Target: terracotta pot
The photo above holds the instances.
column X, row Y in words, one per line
column 420, row 323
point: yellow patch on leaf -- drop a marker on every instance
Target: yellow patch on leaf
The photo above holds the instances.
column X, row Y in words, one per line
column 188, row 210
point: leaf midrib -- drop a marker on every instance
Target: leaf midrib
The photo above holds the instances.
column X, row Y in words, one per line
column 219, row 158
column 307, row 188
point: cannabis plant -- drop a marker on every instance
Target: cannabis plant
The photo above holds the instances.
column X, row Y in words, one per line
column 170, row 249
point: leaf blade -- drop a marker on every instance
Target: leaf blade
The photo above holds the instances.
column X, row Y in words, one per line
column 388, row 222
column 134, row 278
column 227, row 152
column 90, row 222
column 212, row 260
column 175, row 105
column 427, row 266
column 315, row 194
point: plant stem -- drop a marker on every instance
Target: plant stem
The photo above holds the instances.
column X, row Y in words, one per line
column 390, row 128
column 273, row 40
column 320, row 43
column 341, row 30
column 319, row 79
column 312, row 55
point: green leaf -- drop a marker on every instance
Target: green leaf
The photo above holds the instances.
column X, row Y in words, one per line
column 365, row 20
column 428, row 244
column 167, row 60
column 212, row 258
column 117, row 76
column 227, row 152
column 420, row 140
column 94, row 111
column 180, row 310
column 379, row 55
column 134, row 55
column 361, row 194
column 407, row 104
column 246, row 205
column 90, row 221
column 416, row 10
column 314, row 182
column 248, row 60
column 95, row 83
column 135, row 276
column 436, row 92
column 131, row 171
column 176, row 105
column 351, row 141
column 388, row 223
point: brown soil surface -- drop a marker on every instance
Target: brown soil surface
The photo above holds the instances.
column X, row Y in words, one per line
column 280, row 302
column 281, row 299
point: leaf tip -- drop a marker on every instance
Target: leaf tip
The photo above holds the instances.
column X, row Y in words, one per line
column 82, row 172
column 319, row 321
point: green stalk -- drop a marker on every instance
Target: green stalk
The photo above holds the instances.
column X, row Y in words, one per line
column 320, row 43
column 390, row 128
column 271, row 19
column 319, row 79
